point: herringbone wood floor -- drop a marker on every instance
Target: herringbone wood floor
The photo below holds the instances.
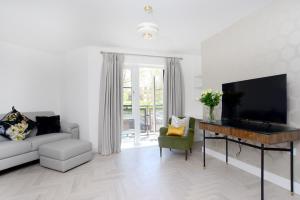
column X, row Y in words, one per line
column 137, row 174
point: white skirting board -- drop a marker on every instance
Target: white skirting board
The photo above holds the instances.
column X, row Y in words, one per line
column 269, row 176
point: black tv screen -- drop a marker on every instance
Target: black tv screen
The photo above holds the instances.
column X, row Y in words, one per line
column 262, row 99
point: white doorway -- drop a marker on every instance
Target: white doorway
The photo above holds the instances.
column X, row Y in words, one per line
column 142, row 105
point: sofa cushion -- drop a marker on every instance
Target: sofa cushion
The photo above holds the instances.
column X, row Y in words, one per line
column 179, row 122
column 176, row 131
column 16, row 126
column 48, row 124
column 44, row 139
column 65, row 149
column 32, row 116
column 13, row 148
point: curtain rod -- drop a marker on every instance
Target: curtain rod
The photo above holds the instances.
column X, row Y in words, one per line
column 133, row 54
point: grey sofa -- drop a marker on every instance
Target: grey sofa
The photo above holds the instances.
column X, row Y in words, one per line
column 14, row 153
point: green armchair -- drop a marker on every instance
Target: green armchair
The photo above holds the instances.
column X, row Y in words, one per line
column 177, row 142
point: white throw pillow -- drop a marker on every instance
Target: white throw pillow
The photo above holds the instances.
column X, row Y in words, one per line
column 177, row 122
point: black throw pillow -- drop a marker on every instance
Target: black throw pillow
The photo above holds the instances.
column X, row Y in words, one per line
column 16, row 126
column 46, row 125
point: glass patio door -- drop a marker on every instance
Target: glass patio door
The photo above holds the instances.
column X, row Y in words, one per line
column 142, row 104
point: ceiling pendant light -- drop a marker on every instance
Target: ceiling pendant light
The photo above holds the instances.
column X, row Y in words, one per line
column 148, row 29
column 148, row 8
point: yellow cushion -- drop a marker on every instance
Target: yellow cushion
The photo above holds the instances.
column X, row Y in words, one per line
column 175, row 131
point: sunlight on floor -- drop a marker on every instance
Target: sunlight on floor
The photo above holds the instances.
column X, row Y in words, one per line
column 145, row 141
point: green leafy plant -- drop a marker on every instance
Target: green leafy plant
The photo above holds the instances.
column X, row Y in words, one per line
column 211, row 99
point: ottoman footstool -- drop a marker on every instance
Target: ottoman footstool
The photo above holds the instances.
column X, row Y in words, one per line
column 65, row 154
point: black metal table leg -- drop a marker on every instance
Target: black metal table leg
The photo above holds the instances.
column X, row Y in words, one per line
column 263, row 149
column 160, row 151
column 203, row 148
column 262, row 173
column 292, row 166
column 226, row 149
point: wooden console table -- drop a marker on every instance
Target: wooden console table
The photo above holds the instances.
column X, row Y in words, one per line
column 262, row 133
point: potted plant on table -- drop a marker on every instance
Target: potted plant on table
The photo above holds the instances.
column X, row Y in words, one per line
column 211, row 99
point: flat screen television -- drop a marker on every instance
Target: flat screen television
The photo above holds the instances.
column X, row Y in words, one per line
column 262, row 99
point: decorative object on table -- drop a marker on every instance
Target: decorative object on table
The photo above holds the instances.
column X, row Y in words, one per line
column 211, row 99
column 16, row 126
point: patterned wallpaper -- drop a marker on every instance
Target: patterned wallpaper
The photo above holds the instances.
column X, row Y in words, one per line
column 262, row 44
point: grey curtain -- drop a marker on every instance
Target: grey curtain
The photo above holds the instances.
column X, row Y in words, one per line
column 173, row 89
column 110, row 108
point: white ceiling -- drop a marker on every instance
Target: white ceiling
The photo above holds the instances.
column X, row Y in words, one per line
column 60, row 25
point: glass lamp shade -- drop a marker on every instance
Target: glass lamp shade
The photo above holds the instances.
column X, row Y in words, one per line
column 148, row 30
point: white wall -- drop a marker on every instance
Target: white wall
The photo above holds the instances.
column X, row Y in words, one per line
column 192, row 71
column 75, row 90
column 82, row 85
column 263, row 44
column 30, row 79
